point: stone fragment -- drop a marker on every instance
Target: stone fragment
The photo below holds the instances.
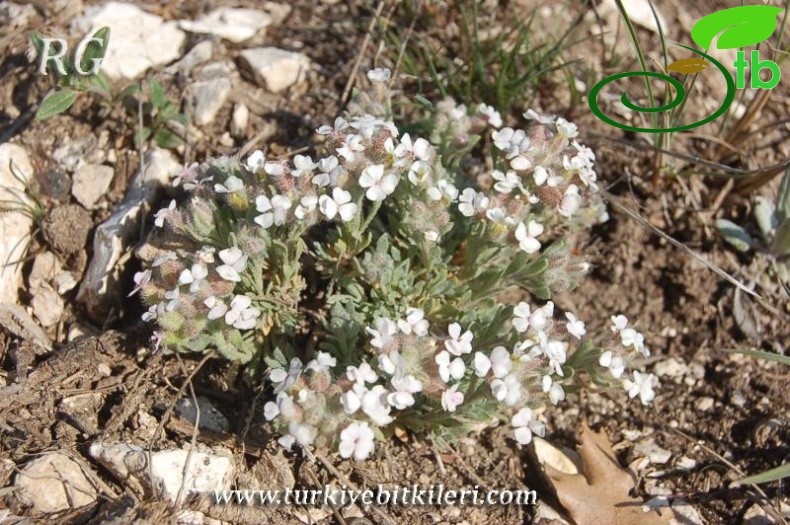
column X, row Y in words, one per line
column 15, row 225
column 233, row 24
column 54, row 483
column 276, row 69
column 90, row 183
column 138, row 40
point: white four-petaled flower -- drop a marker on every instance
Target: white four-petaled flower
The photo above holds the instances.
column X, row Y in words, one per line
column 524, row 425
column 379, row 183
column 273, row 211
column 338, row 204
column 356, row 440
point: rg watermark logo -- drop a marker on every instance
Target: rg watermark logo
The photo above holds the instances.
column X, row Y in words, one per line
column 86, row 59
column 738, row 27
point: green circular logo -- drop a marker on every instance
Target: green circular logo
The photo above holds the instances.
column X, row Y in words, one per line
column 680, row 95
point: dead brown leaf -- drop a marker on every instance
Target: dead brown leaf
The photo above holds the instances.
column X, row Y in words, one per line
column 600, row 493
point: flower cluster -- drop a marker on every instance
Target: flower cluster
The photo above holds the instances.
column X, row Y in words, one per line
column 384, row 251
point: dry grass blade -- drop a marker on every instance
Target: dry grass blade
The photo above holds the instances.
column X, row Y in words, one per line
column 696, row 256
column 365, row 43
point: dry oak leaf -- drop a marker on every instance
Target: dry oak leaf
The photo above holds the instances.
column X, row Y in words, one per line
column 600, row 494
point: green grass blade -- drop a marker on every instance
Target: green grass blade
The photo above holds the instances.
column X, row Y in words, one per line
column 764, row 355
column 774, row 474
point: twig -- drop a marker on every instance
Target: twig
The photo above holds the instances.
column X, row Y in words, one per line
column 170, row 408
column 194, row 433
column 332, row 505
column 365, row 42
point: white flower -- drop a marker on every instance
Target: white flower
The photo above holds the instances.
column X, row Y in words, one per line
column 619, row 322
column 574, row 326
column 499, row 216
column 356, row 440
column 405, row 388
column 255, row 161
column 303, row 434
column 375, row 406
column 527, row 236
column 451, row 398
column 514, row 143
column 241, row 315
column 274, row 169
column 506, row 182
column 174, row 299
column 420, row 149
column 555, row 351
column 232, row 184
column 501, row 364
column 641, row 386
column 153, row 312
column 330, row 170
column 382, row 332
column 380, row 74
column 352, row 399
column 378, row 184
column 235, row 263
column 282, row 379
column 542, row 176
column 273, row 211
column 507, row 389
column 458, row 344
column 481, row 364
column 140, row 280
column 392, row 363
column 415, row 322
column 340, row 124
column 338, row 204
column 630, row 337
column 567, row 129
column 164, row 213
column 351, row 145
column 614, row 363
column 306, row 205
column 193, row 276
column 303, row 165
column 525, row 318
column 471, row 201
column 571, row 201
column 531, row 114
column 555, row 391
column 491, row 115
column 322, row 362
column 362, row 374
column 450, row 369
column 216, row 308
column 284, row 405
column 524, row 426
column 444, row 189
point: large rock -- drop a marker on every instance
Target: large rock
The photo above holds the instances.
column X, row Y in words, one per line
column 114, row 235
column 54, row 483
column 274, row 68
column 138, row 40
column 15, row 225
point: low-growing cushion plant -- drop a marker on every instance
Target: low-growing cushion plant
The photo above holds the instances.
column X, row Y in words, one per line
column 373, row 281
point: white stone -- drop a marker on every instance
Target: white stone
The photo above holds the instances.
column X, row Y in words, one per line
column 47, row 305
column 639, row 12
column 45, row 267
column 239, row 120
column 200, row 54
column 234, row 24
column 207, row 99
column 207, row 472
column 704, row 403
column 54, row 483
column 64, row 282
column 210, row 418
column 275, row 68
column 15, row 226
column 138, row 40
column 278, row 12
column 650, row 450
column 671, row 367
column 90, row 183
column 114, row 235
